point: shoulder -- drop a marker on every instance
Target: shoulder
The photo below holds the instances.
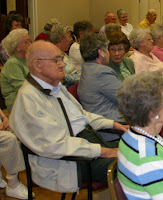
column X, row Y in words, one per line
column 128, row 60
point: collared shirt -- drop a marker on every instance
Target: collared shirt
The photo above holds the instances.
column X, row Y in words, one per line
column 146, row 63
column 144, row 24
column 124, row 71
column 77, row 120
column 127, row 29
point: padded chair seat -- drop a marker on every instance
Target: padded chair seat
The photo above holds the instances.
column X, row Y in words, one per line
column 95, row 185
column 119, row 191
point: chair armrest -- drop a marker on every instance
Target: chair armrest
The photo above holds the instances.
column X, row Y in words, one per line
column 26, row 150
column 110, row 130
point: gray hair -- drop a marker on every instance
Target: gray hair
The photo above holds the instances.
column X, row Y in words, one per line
column 120, row 12
column 58, row 32
column 90, row 44
column 157, row 30
column 137, row 35
column 50, row 23
column 140, row 95
column 13, row 39
column 112, row 27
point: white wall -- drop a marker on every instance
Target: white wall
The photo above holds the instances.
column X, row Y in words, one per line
column 98, row 8
column 70, row 11
column 66, row 11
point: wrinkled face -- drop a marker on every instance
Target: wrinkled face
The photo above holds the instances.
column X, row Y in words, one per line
column 16, row 25
column 24, row 43
column 152, row 17
column 123, row 19
column 147, row 43
column 51, row 65
column 66, row 41
column 117, row 52
column 110, row 18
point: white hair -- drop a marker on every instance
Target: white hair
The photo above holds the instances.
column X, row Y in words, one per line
column 138, row 35
column 13, row 39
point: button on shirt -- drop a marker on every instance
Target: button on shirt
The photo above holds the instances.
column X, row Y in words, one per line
column 77, row 120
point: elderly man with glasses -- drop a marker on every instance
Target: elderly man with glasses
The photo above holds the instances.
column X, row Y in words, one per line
column 48, row 120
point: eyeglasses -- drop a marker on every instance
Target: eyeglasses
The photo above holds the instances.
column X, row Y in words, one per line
column 115, row 50
column 55, row 59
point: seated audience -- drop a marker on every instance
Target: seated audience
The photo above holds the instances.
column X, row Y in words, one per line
column 157, row 35
column 12, row 160
column 80, row 28
column 126, row 28
column 98, row 83
column 149, row 20
column 142, row 42
column 140, row 156
column 45, row 34
column 12, row 21
column 119, row 45
column 39, row 120
column 61, row 36
column 109, row 18
column 15, row 69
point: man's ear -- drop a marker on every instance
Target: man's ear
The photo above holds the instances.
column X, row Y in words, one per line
column 101, row 53
column 36, row 65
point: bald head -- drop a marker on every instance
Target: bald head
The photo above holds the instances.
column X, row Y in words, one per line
column 110, row 18
column 37, row 50
column 45, row 61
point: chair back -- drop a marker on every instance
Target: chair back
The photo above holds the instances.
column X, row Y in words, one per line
column 115, row 188
column 73, row 90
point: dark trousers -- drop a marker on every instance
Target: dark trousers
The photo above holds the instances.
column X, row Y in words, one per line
column 100, row 165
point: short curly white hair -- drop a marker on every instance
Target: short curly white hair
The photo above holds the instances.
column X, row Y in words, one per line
column 58, row 32
column 13, row 39
column 137, row 35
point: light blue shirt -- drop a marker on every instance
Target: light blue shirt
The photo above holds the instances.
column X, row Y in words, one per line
column 77, row 120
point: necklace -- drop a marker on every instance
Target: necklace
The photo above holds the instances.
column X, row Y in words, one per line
column 157, row 139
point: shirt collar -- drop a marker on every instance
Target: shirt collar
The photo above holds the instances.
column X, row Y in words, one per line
column 45, row 85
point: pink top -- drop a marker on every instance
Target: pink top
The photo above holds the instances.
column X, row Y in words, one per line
column 145, row 63
column 158, row 52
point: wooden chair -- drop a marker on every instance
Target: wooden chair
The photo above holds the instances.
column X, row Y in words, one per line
column 115, row 188
column 89, row 185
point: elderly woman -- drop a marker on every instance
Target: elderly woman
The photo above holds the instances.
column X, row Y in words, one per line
column 61, row 36
column 119, row 45
column 45, row 35
column 80, row 28
column 12, row 160
column 15, row 69
column 12, row 21
column 126, row 28
column 142, row 42
column 99, row 83
column 140, row 157
column 157, row 35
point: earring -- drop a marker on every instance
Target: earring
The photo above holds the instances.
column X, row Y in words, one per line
column 157, row 117
column 103, row 56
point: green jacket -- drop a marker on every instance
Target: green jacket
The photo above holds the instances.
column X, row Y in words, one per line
column 13, row 75
column 129, row 65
